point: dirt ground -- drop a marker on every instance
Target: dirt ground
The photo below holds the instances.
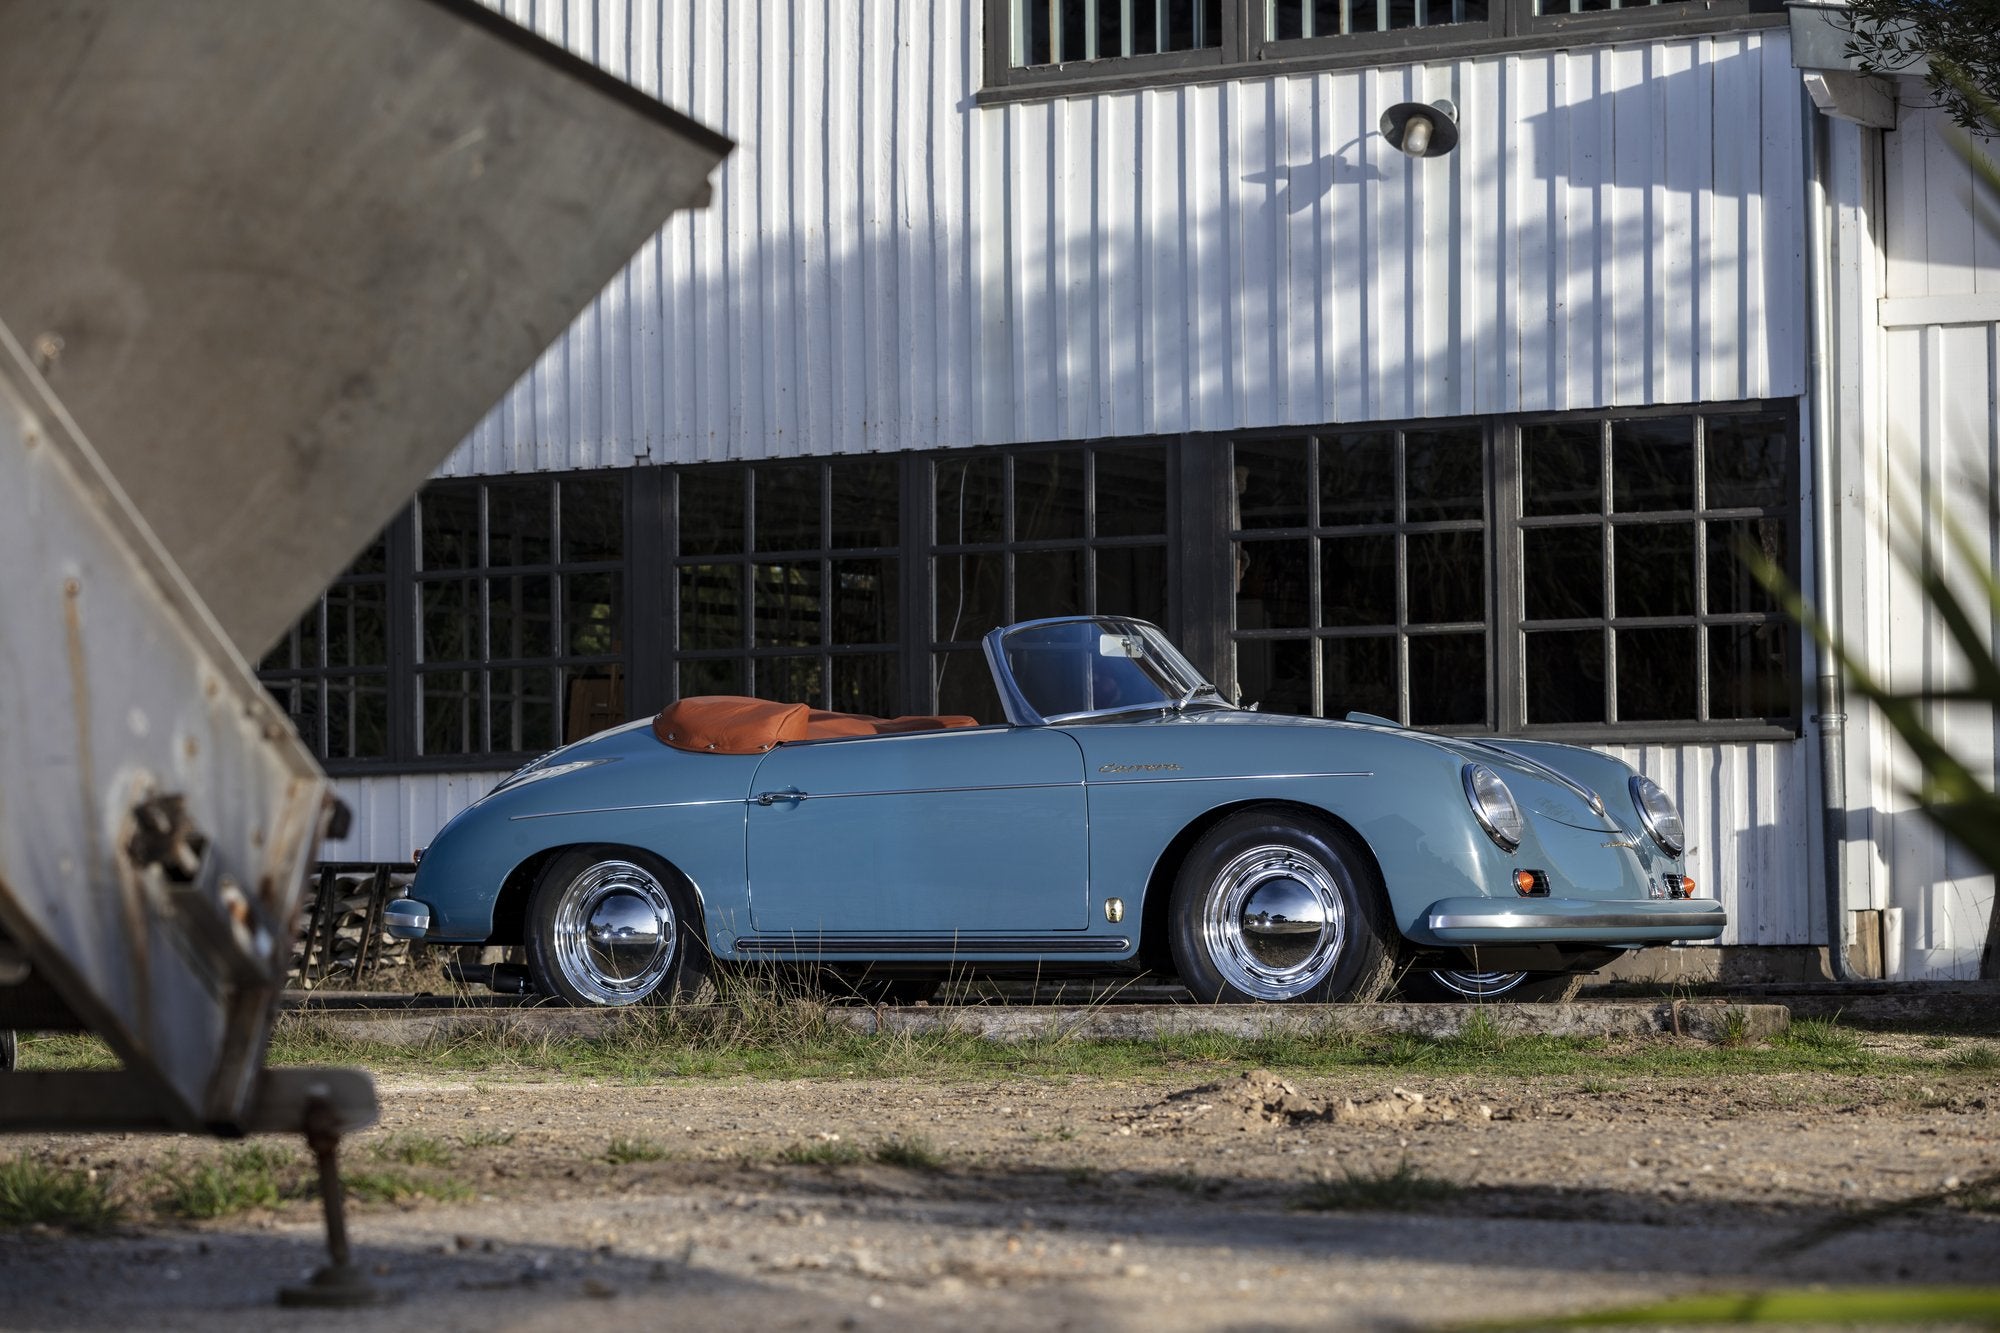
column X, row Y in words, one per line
column 1072, row 1202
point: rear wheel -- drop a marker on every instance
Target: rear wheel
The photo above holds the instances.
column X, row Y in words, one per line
column 611, row 926
column 1276, row 907
column 1464, row 986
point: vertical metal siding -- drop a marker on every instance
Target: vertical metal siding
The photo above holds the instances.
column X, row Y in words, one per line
column 395, row 815
column 888, row 266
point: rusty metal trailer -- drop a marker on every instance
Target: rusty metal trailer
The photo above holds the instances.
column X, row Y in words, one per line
column 261, row 267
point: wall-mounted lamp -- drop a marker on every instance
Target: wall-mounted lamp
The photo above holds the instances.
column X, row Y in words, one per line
column 1420, row 130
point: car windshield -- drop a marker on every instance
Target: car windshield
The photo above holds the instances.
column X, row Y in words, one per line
column 1074, row 668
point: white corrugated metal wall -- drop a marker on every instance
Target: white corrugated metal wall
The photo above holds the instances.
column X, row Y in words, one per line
column 1937, row 463
column 888, row 266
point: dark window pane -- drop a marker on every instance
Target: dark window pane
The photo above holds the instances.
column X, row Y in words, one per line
column 1271, row 484
column 1069, row 18
column 520, row 617
column 970, row 501
column 787, row 505
column 284, row 654
column 1363, row 15
column 1131, row 492
column 1657, row 674
column 449, row 705
column 1288, row 19
column 864, row 602
column 864, row 683
column 1326, row 16
column 593, row 698
column 1145, row 28
column 1655, row 569
column 593, row 614
column 968, row 596
column 1110, row 31
column 312, row 631
column 1048, row 583
column 792, row 680
column 374, row 558
column 1448, row 680
column 1132, row 581
column 521, row 710
column 866, row 503
column 519, row 523
column 1562, row 468
column 1747, row 460
column 1276, row 674
column 1357, row 478
column 1732, row 587
column 1562, row 573
column 1359, row 676
column 357, row 717
column 711, row 511
column 788, row 604
column 448, row 531
column 1750, row 672
column 449, row 613
column 965, row 686
column 1444, row 474
column 593, row 519
column 1358, row 580
column 309, row 716
column 711, row 676
column 711, row 606
column 1035, row 42
column 1564, row 670
column 1048, row 496
column 1402, row 13
column 1652, row 464
column 1272, row 590
column 357, row 627
column 1447, row 577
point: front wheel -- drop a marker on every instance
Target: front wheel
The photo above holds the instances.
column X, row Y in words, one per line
column 608, row 926
column 1276, row 907
column 1462, row 986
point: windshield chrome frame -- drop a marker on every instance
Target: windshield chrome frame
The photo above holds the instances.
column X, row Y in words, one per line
column 1021, row 713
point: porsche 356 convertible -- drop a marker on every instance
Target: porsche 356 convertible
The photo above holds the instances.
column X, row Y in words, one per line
column 1124, row 817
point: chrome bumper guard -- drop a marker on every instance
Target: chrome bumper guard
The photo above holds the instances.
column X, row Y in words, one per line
column 1554, row 920
column 406, row 919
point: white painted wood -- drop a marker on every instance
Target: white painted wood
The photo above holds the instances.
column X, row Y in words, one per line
column 1908, row 312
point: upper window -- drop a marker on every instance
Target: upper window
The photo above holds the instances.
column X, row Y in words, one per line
column 331, row 670
column 1086, row 44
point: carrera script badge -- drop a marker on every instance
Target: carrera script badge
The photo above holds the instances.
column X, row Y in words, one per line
column 1138, row 768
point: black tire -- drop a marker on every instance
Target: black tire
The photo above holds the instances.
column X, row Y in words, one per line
column 8, row 1051
column 1279, row 908
column 1464, row 986
column 591, row 892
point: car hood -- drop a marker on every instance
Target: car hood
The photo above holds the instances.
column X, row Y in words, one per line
column 1542, row 791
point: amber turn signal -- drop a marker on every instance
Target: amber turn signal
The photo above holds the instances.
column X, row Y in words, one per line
column 1687, row 886
column 1524, row 882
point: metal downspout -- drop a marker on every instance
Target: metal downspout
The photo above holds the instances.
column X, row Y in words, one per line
column 1832, row 695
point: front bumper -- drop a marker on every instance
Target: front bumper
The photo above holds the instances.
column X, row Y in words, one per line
column 406, row 919
column 1572, row 920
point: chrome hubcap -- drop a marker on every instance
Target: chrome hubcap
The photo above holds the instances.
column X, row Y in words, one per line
column 1478, row 985
column 1274, row 923
column 615, row 932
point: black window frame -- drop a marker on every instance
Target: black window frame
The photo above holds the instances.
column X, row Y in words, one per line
column 1248, row 51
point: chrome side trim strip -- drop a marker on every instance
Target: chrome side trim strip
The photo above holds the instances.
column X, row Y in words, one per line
column 1117, row 781
column 794, row 797
column 1516, row 919
column 812, row 945
column 622, row 809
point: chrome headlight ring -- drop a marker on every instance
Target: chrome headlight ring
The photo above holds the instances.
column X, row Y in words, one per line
column 1493, row 805
column 1657, row 813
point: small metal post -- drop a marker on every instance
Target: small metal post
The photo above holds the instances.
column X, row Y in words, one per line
column 340, row 1283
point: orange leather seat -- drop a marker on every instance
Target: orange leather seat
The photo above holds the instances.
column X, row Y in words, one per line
column 733, row 724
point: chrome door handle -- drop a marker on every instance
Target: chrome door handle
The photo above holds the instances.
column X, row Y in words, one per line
column 773, row 797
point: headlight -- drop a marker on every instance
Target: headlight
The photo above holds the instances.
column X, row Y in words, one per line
column 1657, row 813
column 1494, row 806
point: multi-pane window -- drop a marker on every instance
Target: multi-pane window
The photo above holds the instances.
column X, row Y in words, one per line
column 1018, row 535
column 519, row 610
column 1041, row 43
column 788, row 582
column 1637, row 604
column 331, row 670
column 1361, row 574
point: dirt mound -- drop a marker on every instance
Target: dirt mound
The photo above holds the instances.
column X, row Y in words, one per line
column 1257, row 1099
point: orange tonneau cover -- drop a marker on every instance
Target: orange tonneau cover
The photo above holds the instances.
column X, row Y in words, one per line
column 732, row 724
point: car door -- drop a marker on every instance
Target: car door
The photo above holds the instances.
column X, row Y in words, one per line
column 934, row 833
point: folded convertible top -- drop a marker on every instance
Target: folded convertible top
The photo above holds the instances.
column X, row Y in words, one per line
column 733, row 724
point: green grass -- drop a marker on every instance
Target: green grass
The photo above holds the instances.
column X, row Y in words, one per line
column 392, row 1185
column 413, row 1149
column 1835, row 1306
column 625, row 1151
column 1401, row 1190
column 914, row 1154
column 35, row 1193
column 1975, row 1058
column 821, row 1152
column 487, row 1138
column 253, row 1176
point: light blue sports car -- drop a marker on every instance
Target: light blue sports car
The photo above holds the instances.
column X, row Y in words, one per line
column 1125, row 817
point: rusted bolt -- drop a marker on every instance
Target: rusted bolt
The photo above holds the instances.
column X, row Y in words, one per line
column 47, row 350
column 71, row 587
